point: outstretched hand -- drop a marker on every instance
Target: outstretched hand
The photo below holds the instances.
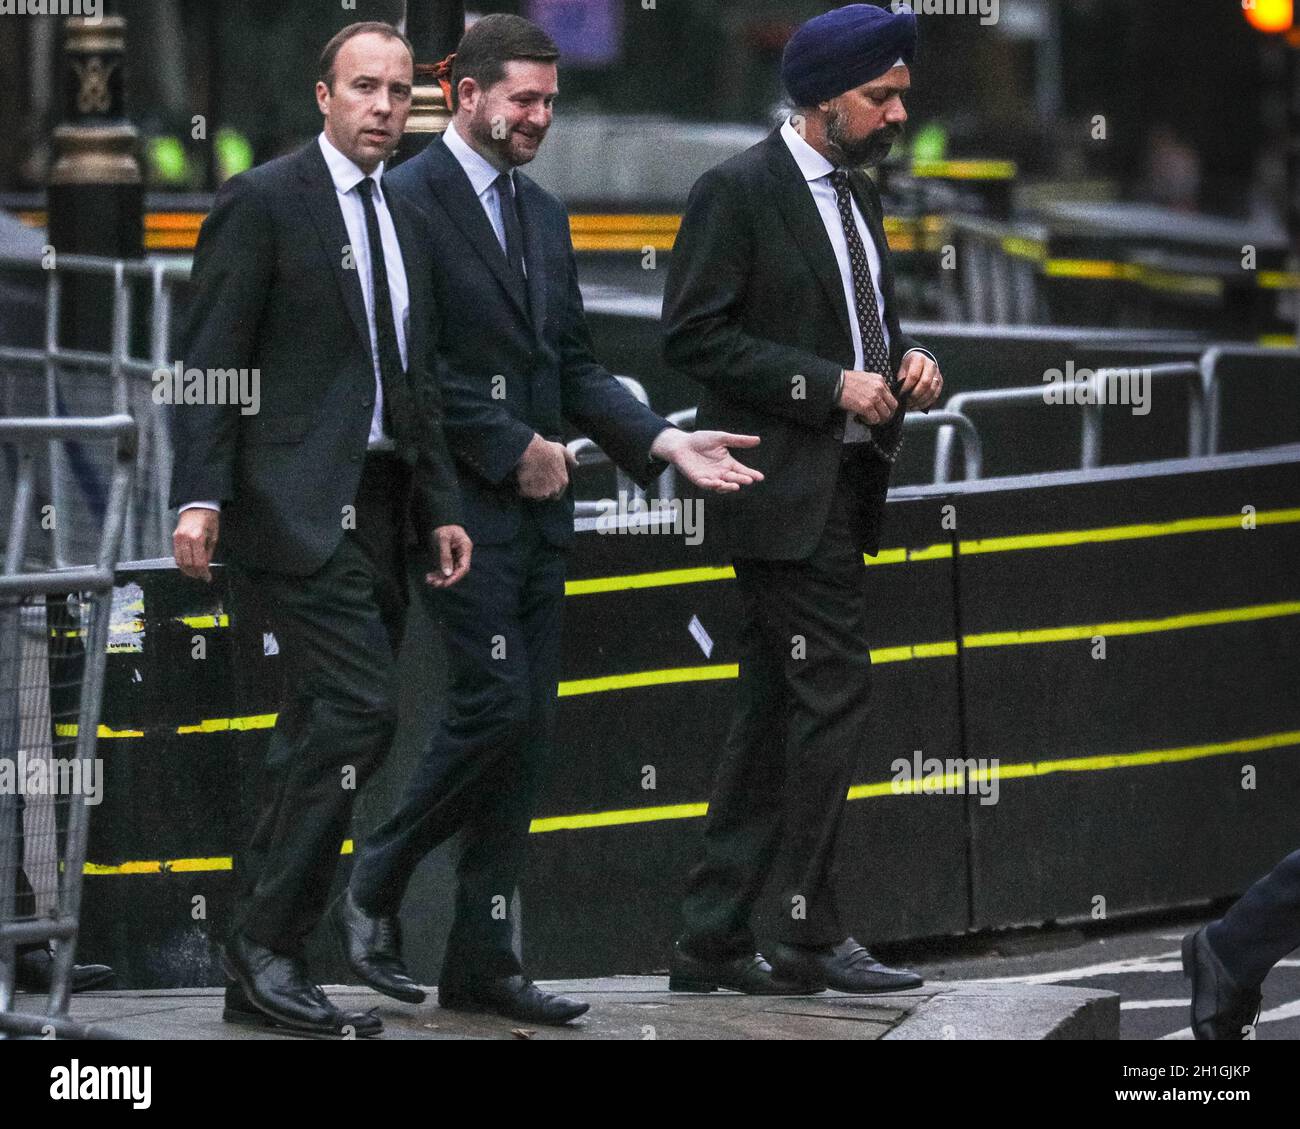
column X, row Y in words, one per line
column 704, row 457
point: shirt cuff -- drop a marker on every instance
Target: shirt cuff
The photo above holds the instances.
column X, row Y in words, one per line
column 200, row 506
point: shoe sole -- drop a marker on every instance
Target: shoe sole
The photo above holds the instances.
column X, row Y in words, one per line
column 264, row 1022
column 274, row 1021
column 690, row 984
column 414, row 996
column 488, row 1009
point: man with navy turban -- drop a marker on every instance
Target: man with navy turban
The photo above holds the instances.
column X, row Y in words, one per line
column 780, row 301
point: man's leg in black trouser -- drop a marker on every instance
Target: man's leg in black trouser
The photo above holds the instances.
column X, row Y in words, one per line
column 481, row 765
column 494, row 839
column 338, row 631
column 1262, row 926
column 778, row 802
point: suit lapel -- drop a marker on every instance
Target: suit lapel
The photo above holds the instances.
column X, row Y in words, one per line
column 323, row 205
column 453, row 191
column 805, row 222
column 530, row 216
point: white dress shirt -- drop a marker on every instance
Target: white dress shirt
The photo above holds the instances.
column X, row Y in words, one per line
column 817, row 171
column 347, row 175
column 482, row 175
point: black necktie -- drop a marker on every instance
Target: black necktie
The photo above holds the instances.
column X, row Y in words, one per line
column 885, row 439
column 510, row 221
column 399, row 411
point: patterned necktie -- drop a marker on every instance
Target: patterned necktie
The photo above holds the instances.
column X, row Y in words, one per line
column 514, row 247
column 399, row 411
column 885, row 439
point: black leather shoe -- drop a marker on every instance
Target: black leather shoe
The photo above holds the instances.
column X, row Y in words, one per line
column 515, row 997
column 1220, row 1006
column 748, row 973
column 847, row 967
column 239, row 1011
column 279, row 987
column 372, row 947
column 35, row 973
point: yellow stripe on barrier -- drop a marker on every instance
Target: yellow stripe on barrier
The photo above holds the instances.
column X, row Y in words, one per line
column 103, row 733
column 585, row 821
column 648, row 678
column 1131, row 627
column 227, row 724
column 1020, row 542
column 669, row 578
column 205, row 621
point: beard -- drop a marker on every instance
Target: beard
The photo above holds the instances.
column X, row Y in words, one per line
column 513, row 149
column 856, row 152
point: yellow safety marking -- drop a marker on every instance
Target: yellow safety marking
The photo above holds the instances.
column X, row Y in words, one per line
column 1277, row 341
column 202, row 621
column 965, row 170
column 1279, row 280
column 1083, row 268
column 584, row 821
column 103, row 733
column 617, row 818
column 647, row 580
column 1103, row 534
column 1023, row 248
column 944, row 550
column 226, row 724
column 648, row 678
column 1131, row 627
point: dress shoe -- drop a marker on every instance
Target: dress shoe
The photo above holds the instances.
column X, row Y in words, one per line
column 846, row 967
column 372, row 947
column 1220, row 1006
column 35, row 973
column 279, row 986
column 748, row 973
column 515, row 997
column 239, row 1011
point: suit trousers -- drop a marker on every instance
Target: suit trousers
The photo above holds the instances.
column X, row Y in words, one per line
column 799, row 725
column 1262, row 926
column 339, row 631
column 481, row 773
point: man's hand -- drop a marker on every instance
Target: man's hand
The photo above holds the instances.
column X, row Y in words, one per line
column 543, row 470
column 867, row 396
column 454, row 549
column 194, row 542
column 921, row 379
column 703, row 457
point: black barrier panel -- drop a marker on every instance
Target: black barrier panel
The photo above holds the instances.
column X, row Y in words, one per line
column 1246, row 383
column 603, row 888
column 1128, row 649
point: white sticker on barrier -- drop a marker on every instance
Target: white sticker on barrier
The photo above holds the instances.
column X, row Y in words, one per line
column 701, row 636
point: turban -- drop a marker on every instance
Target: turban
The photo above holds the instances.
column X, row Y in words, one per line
column 845, row 48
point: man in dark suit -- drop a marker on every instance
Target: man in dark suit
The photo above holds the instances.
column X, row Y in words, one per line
column 519, row 363
column 780, row 302
column 1227, row 960
column 313, row 280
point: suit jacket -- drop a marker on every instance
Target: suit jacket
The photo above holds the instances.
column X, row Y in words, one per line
column 518, row 357
column 273, row 293
column 755, row 311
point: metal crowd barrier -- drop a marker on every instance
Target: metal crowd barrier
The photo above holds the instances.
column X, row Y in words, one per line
column 589, row 454
column 147, row 530
column 52, row 660
column 1091, row 412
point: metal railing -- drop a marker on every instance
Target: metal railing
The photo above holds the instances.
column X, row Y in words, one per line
column 147, row 529
column 1212, row 383
column 1091, row 408
column 30, row 714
